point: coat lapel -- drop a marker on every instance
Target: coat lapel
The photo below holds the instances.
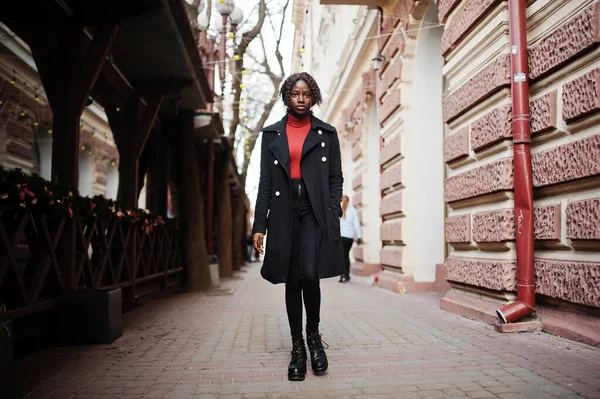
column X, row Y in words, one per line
column 279, row 146
column 312, row 139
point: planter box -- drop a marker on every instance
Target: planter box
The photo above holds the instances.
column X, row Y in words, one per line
column 93, row 317
column 7, row 364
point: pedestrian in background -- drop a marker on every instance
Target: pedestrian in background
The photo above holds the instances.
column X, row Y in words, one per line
column 350, row 230
column 300, row 189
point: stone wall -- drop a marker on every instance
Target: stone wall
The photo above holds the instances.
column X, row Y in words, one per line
column 565, row 120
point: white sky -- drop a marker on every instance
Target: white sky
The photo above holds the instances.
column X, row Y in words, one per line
column 255, row 84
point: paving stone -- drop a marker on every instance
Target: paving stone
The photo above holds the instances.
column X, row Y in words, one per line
column 381, row 345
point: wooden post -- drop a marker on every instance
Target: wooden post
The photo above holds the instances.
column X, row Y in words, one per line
column 157, row 176
column 210, row 161
column 131, row 136
column 224, row 219
column 190, row 212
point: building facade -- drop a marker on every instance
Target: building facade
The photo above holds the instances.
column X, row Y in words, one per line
column 428, row 150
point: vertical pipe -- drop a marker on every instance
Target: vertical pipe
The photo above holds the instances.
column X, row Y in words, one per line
column 525, row 303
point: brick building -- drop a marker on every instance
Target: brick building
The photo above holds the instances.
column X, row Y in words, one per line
column 428, row 149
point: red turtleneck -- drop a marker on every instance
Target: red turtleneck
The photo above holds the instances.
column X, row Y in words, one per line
column 297, row 130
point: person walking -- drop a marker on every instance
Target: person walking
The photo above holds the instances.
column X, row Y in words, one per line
column 298, row 206
column 350, row 229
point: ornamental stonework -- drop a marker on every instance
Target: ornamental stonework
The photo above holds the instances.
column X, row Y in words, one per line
column 583, row 220
column 356, row 152
column 462, row 23
column 489, row 80
column 391, row 231
column 391, row 204
column 486, row 179
column 568, row 162
column 543, row 113
column 391, row 257
column 357, row 182
column 577, row 282
column 445, row 7
column 391, row 176
column 396, row 46
column 391, row 75
column 494, row 226
column 358, row 253
column 390, row 104
column 581, row 96
column 491, row 128
column 357, row 199
column 546, row 222
column 499, row 275
column 400, row 14
column 565, row 43
column 456, row 145
column 390, row 150
column 458, row 229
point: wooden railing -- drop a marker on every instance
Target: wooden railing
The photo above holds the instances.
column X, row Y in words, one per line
column 37, row 263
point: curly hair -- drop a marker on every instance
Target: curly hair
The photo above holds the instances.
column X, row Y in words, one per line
column 286, row 88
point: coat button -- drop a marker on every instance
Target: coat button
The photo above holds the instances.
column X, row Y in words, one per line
column 275, row 162
column 277, row 193
column 323, row 144
column 324, row 159
column 320, row 131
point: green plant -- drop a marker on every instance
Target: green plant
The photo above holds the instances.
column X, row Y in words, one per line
column 4, row 331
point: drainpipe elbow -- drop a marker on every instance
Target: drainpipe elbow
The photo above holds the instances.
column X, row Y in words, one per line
column 515, row 311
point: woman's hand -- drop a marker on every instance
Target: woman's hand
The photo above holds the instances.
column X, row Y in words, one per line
column 257, row 241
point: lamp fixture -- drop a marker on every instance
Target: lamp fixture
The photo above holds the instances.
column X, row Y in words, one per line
column 378, row 61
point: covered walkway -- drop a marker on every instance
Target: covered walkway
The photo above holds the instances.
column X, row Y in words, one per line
column 233, row 343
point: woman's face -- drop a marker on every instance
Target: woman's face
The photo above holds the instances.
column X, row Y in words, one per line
column 300, row 99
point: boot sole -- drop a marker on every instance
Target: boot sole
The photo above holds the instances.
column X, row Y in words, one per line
column 321, row 370
column 296, row 377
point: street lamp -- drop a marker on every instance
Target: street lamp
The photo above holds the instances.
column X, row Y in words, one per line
column 377, row 61
column 350, row 123
column 236, row 18
column 225, row 7
column 202, row 22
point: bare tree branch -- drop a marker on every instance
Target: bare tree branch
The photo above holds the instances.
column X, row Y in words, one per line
column 247, row 37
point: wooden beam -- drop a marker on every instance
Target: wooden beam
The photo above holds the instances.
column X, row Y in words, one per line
column 94, row 61
column 147, row 120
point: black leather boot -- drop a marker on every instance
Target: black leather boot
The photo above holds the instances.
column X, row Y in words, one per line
column 297, row 367
column 318, row 358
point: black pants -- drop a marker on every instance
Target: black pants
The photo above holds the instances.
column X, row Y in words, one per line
column 347, row 244
column 303, row 278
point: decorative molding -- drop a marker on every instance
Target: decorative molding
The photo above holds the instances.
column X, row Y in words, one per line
column 573, row 281
column 492, row 128
column 571, row 161
column 458, row 229
column 489, row 80
column 583, row 220
column 456, row 145
column 486, row 179
column 543, row 112
column 576, row 36
column 499, row 275
column 465, row 19
column 581, row 96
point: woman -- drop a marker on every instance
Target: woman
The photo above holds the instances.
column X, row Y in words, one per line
column 298, row 204
column 349, row 228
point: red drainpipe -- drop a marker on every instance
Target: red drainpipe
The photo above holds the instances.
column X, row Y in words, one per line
column 525, row 304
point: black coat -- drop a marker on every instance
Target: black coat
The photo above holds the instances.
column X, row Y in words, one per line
column 321, row 168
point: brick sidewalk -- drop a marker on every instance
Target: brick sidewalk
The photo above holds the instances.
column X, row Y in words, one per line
column 382, row 345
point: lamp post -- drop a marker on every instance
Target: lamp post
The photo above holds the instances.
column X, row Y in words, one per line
column 225, row 8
